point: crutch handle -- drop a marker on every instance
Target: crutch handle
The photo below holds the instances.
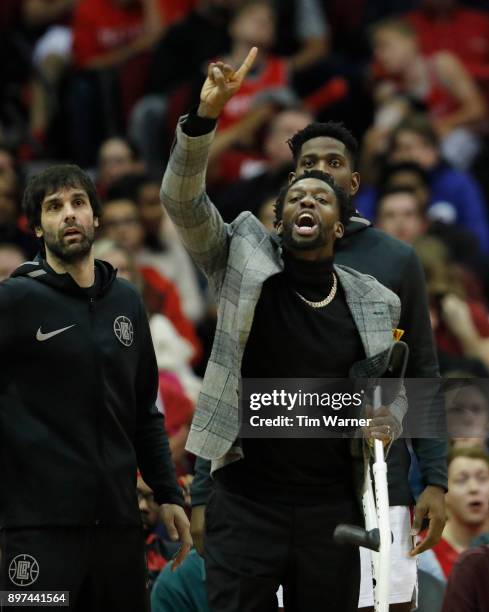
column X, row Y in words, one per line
column 358, row 536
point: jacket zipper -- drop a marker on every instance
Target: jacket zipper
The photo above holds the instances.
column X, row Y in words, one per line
column 98, row 388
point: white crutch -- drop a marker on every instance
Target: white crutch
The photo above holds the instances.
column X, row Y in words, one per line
column 377, row 535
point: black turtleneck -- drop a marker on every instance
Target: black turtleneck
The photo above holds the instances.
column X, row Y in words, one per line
column 290, row 339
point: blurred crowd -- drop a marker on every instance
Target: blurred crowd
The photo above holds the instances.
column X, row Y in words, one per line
column 101, row 83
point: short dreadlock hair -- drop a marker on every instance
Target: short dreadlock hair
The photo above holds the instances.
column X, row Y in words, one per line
column 341, row 196
column 330, row 129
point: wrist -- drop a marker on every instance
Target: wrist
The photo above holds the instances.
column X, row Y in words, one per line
column 206, row 112
column 437, row 487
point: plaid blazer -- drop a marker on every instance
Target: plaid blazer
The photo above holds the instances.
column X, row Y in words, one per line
column 237, row 258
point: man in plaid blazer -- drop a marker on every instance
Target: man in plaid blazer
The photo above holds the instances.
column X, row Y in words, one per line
column 238, row 258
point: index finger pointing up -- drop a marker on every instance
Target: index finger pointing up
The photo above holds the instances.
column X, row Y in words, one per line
column 247, row 64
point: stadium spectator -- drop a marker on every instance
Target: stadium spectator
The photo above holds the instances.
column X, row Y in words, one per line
column 447, row 25
column 407, row 174
column 162, row 248
column 182, row 589
column 467, row 407
column 401, row 214
column 49, row 21
column 109, row 35
column 7, row 159
column 439, row 83
column 11, row 257
column 253, row 24
column 467, row 506
column 10, row 227
column 121, row 223
column 108, row 32
column 158, row 552
column 171, row 84
column 468, row 587
column 455, row 195
column 272, row 172
column 303, row 34
column 116, row 158
column 460, row 324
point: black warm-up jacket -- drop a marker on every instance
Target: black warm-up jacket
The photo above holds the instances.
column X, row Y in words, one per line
column 78, row 385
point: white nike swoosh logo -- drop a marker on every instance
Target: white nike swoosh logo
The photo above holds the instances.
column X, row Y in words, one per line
column 41, row 337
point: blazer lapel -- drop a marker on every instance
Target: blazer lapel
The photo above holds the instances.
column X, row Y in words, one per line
column 264, row 261
column 371, row 315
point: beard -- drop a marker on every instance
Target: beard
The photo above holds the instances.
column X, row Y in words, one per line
column 321, row 239
column 70, row 252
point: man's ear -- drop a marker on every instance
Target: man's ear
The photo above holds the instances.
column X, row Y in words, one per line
column 339, row 230
column 279, row 228
column 292, row 176
column 96, row 222
column 355, row 183
column 38, row 231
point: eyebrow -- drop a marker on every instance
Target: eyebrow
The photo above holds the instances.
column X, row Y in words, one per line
column 328, row 154
column 468, row 474
column 55, row 197
column 315, row 189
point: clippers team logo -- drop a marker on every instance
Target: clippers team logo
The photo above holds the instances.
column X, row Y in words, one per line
column 123, row 330
column 23, row 570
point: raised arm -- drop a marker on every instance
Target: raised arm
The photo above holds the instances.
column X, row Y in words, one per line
column 196, row 219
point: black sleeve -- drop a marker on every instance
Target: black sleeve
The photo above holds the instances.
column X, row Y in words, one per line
column 197, row 126
column 415, row 321
column 7, row 327
column 7, row 333
column 201, row 486
column 423, row 363
column 151, row 441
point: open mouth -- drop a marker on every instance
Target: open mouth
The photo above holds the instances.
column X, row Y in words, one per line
column 305, row 224
column 476, row 505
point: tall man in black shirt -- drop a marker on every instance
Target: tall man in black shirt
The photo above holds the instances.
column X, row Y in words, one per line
column 284, row 310
column 78, row 386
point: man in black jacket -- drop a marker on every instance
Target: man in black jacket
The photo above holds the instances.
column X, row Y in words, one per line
column 78, row 386
column 331, row 148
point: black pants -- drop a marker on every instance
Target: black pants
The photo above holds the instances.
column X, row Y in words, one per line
column 252, row 547
column 103, row 568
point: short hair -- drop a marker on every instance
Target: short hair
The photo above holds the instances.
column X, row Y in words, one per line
column 244, row 5
column 398, row 189
column 390, row 169
column 341, row 196
column 397, row 25
column 128, row 187
column 418, row 124
column 50, row 180
column 469, row 452
column 330, row 129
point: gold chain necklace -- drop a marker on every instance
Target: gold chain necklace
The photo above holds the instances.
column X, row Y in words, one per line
column 327, row 299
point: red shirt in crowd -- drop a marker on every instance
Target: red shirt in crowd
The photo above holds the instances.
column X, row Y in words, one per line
column 160, row 296
column 462, row 31
column 446, row 556
column 448, row 343
column 273, row 74
column 101, row 26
